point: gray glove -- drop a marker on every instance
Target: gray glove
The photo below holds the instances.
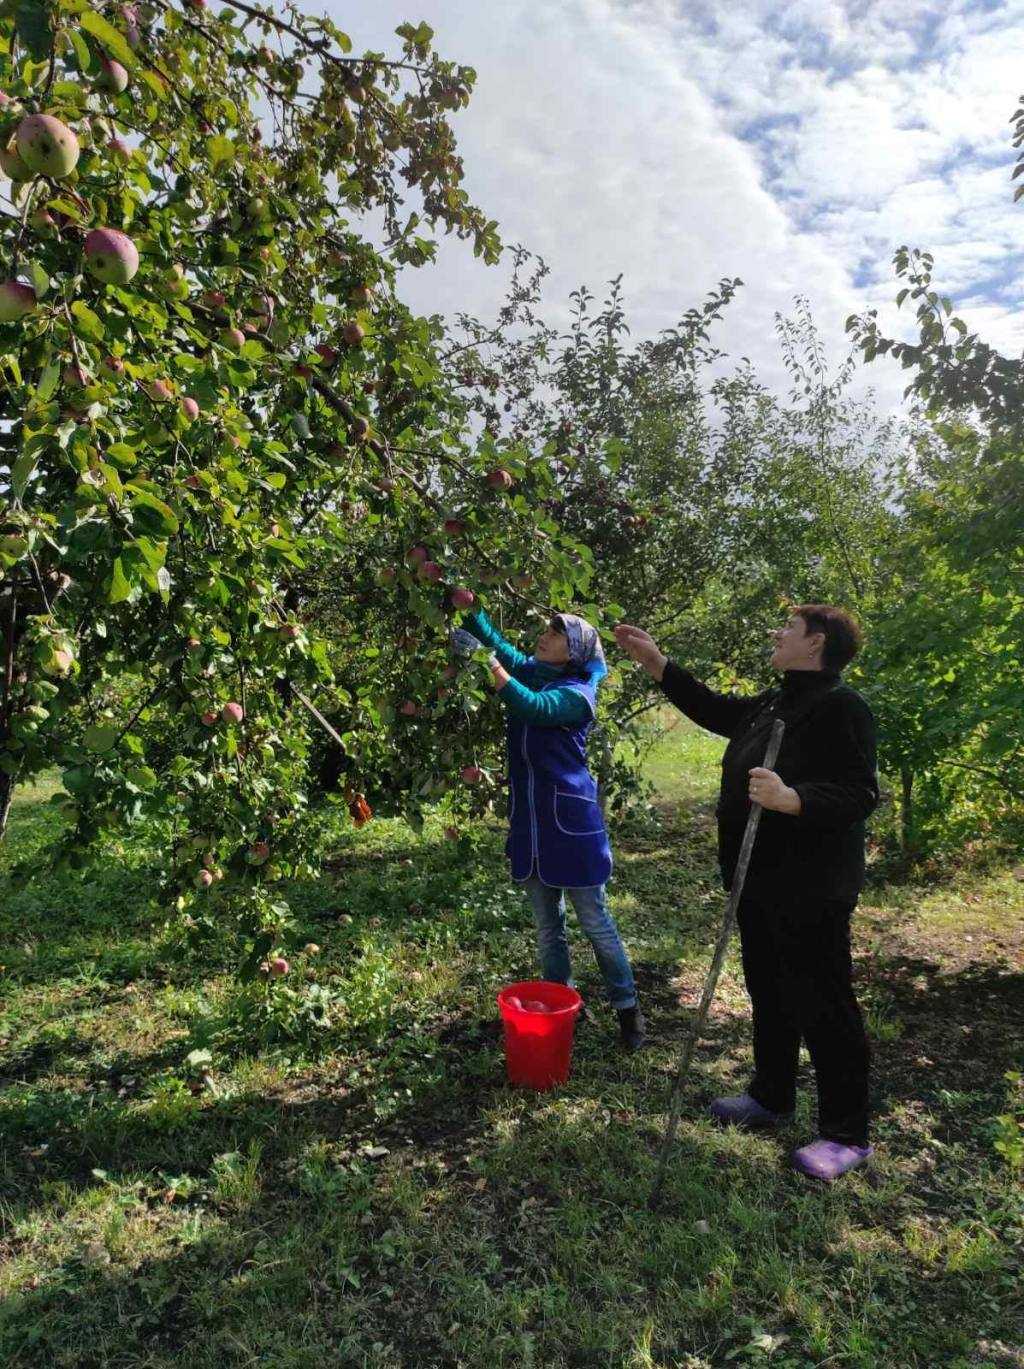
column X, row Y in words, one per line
column 463, row 643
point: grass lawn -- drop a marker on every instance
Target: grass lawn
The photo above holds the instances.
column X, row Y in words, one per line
column 394, row 1203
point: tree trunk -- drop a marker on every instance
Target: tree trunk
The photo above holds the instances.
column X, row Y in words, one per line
column 6, row 795
column 907, row 809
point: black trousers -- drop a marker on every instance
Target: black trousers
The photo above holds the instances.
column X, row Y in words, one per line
column 799, row 974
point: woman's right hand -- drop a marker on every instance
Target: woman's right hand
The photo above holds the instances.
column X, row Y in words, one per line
column 640, row 646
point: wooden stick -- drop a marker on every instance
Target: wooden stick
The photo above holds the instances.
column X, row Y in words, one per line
column 710, row 984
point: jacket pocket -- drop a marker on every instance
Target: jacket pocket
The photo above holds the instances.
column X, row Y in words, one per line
column 576, row 816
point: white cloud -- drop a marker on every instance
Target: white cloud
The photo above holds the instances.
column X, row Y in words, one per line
column 793, row 144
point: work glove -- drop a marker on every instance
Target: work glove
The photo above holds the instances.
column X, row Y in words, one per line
column 463, row 643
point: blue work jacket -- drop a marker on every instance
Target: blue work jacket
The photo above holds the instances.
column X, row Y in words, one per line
column 556, row 827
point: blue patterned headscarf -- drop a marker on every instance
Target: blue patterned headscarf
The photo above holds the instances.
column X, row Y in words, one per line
column 585, row 649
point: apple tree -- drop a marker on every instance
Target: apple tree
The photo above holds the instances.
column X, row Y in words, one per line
column 208, row 379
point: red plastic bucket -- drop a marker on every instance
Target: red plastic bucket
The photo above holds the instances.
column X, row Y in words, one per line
column 538, row 1045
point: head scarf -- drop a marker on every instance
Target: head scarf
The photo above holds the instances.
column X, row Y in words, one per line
column 585, row 650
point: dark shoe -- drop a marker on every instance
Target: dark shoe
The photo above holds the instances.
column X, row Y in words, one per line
column 632, row 1028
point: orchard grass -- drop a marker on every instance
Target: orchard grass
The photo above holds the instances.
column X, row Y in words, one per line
column 393, row 1203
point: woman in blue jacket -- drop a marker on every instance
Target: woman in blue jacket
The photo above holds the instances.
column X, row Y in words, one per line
column 557, row 842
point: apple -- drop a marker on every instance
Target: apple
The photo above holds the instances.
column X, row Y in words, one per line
column 417, row 555
column 232, row 712
column 16, row 300
column 194, row 644
column 215, row 299
column 60, row 663
column 353, row 333
column 279, row 965
column 113, row 76
column 499, row 479
column 159, row 390
column 12, row 165
column 111, row 256
column 452, row 833
column 454, row 527
column 209, row 718
column 288, row 632
column 75, row 378
column 408, row 709
column 42, row 220
column 133, row 36
column 113, row 365
column 210, row 860
column 430, row 570
column 119, row 149
column 522, row 581
column 361, row 296
column 471, row 774
column 259, row 851
column 204, row 879
column 311, row 948
column 193, row 482
column 190, row 407
column 233, row 338
column 462, row 598
column 387, row 575
column 327, row 352
column 47, row 146
column 360, row 429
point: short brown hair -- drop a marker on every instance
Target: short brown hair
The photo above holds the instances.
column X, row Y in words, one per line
column 843, row 635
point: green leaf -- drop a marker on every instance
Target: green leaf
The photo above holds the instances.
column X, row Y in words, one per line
column 220, row 149
column 82, row 54
column 111, row 39
column 40, row 280
column 99, row 737
column 22, row 471
column 88, row 322
column 118, row 587
column 33, row 25
column 48, row 382
column 153, row 517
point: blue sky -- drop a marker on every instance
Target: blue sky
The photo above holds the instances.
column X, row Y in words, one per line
column 796, row 145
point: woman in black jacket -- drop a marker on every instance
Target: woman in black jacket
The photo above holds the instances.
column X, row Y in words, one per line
column 805, row 874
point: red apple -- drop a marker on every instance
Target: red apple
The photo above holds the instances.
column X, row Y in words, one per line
column 328, row 353
column 233, row 338
column 416, row 555
column 194, row 644
column 111, row 256
column 462, row 598
column 16, row 300
column 190, row 407
column 279, row 965
column 47, row 146
column 204, row 879
column 259, row 851
column 499, row 479
column 215, row 299
column 193, row 482
column 430, row 570
column 112, row 77
column 353, row 333
column 118, row 148
column 159, row 390
column 361, row 296
column 209, row 718
column 452, row 833
column 409, row 709
column 232, row 712
column 454, row 527
column 472, row 774
column 288, row 632
column 302, row 371
column 113, row 365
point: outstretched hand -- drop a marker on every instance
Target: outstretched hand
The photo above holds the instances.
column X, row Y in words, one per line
column 641, row 647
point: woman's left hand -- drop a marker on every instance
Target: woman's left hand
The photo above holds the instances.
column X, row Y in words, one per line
column 767, row 789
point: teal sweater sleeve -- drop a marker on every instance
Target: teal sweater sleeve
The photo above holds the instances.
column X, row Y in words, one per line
column 481, row 627
column 544, row 707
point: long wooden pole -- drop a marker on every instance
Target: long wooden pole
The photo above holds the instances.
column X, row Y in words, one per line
column 711, row 983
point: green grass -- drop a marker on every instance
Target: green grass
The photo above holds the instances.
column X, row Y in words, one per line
column 394, row 1203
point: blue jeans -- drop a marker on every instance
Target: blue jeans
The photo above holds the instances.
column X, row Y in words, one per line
column 592, row 910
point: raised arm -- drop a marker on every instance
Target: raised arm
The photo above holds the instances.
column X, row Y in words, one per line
column 721, row 713
column 514, row 661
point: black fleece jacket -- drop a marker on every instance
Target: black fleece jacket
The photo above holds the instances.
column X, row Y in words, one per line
column 828, row 756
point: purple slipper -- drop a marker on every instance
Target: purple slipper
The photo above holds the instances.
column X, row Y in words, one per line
column 829, row 1160
column 744, row 1111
